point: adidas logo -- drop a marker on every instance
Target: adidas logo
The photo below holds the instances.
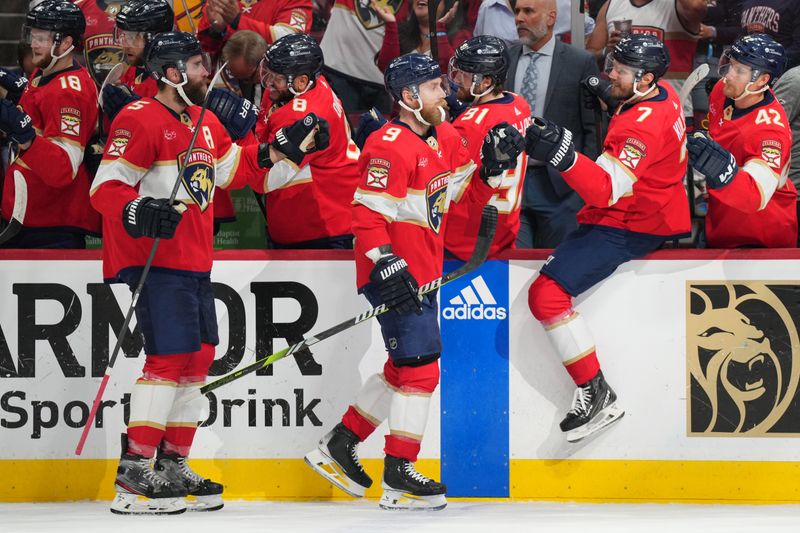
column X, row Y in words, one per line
column 475, row 302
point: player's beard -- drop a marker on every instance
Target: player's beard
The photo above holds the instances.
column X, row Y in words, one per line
column 196, row 91
column 464, row 95
column 432, row 115
column 280, row 97
column 43, row 61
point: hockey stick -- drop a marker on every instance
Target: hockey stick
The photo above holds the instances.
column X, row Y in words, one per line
column 188, row 14
column 693, row 79
column 20, row 206
column 112, row 78
column 143, row 277
column 433, row 7
column 479, row 254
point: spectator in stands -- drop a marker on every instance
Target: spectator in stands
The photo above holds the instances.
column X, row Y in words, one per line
column 675, row 22
column 778, row 18
column 271, row 19
column 496, row 17
column 101, row 52
column 563, row 26
column 547, row 73
column 243, row 52
column 787, row 90
column 413, row 35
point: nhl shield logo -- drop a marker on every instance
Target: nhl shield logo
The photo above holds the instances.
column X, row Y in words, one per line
column 198, row 176
column 368, row 17
column 102, row 54
column 436, row 195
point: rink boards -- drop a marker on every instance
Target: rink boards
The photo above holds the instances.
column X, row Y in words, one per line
column 702, row 348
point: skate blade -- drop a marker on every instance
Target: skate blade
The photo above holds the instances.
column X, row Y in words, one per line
column 205, row 503
column 604, row 418
column 330, row 470
column 127, row 503
column 397, row 500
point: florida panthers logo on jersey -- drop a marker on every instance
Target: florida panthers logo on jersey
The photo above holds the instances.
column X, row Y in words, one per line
column 198, row 176
column 632, row 153
column 71, row 121
column 118, row 143
column 368, row 17
column 771, row 153
column 436, row 194
column 102, row 54
column 378, row 173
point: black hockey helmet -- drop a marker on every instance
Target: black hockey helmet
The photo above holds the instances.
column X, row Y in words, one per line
column 484, row 54
column 58, row 16
column 643, row 52
column 294, row 55
column 148, row 16
column 760, row 52
column 170, row 49
column 410, row 71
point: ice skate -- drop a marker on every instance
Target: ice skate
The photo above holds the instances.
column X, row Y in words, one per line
column 405, row 488
column 594, row 407
column 336, row 459
column 207, row 494
column 142, row 490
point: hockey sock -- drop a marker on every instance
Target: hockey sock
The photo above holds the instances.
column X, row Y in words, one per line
column 408, row 414
column 371, row 407
column 184, row 417
column 567, row 330
column 151, row 401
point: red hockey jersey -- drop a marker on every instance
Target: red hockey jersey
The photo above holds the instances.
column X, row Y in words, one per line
column 139, row 81
column 463, row 217
column 272, row 19
column 63, row 109
column 758, row 207
column 100, row 52
column 636, row 184
column 405, row 185
column 147, row 144
column 312, row 201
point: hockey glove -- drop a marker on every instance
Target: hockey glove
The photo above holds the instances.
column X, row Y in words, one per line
column 307, row 135
column 397, row 286
column 549, row 142
column 148, row 217
column 115, row 97
column 13, row 83
column 596, row 88
column 369, row 122
column 237, row 114
column 712, row 160
column 15, row 123
column 455, row 106
column 499, row 152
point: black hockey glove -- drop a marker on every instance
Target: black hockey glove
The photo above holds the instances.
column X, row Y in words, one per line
column 15, row 123
column 115, row 97
column 455, row 106
column 148, row 217
column 369, row 122
column 307, row 135
column 712, row 160
column 13, row 83
column 499, row 152
column 549, row 142
column 397, row 286
column 237, row 114
column 597, row 89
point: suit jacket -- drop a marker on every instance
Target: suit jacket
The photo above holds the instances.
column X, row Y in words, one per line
column 564, row 106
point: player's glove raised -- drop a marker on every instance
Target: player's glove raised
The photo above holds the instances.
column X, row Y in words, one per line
column 115, row 97
column 499, row 152
column 149, row 217
column 549, row 142
column 13, row 83
column 595, row 90
column 16, row 123
column 237, row 114
column 712, row 160
column 397, row 286
column 307, row 135
column 368, row 123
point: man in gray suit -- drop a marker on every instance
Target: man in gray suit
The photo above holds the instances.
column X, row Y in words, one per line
column 547, row 73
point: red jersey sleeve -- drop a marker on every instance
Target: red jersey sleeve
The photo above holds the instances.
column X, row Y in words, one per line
column 290, row 16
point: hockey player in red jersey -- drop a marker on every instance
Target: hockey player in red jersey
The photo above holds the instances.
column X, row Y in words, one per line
column 635, row 200
column 58, row 116
column 750, row 200
column 308, row 206
column 406, row 170
column 175, row 310
column 479, row 68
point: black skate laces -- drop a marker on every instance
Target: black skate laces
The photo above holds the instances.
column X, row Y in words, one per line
column 416, row 476
column 581, row 400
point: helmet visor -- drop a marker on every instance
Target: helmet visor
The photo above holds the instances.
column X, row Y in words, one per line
column 734, row 70
column 268, row 76
column 37, row 37
column 461, row 78
column 620, row 71
column 129, row 38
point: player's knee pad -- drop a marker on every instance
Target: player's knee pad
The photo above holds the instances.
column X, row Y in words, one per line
column 196, row 369
column 165, row 367
column 419, row 378
column 547, row 299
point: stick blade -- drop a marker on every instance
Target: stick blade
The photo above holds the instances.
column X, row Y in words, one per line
column 488, row 223
column 693, row 79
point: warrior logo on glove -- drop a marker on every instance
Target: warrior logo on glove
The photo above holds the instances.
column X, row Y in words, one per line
column 198, row 176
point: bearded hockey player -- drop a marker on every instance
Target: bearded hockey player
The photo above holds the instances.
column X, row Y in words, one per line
column 398, row 221
column 635, row 200
column 175, row 311
column 751, row 202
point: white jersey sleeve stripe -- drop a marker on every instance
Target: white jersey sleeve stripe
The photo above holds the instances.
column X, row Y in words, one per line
column 286, row 174
column 384, row 204
column 73, row 149
column 227, row 165
column 622, row 179
column 117, row 170
column 765, row 177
